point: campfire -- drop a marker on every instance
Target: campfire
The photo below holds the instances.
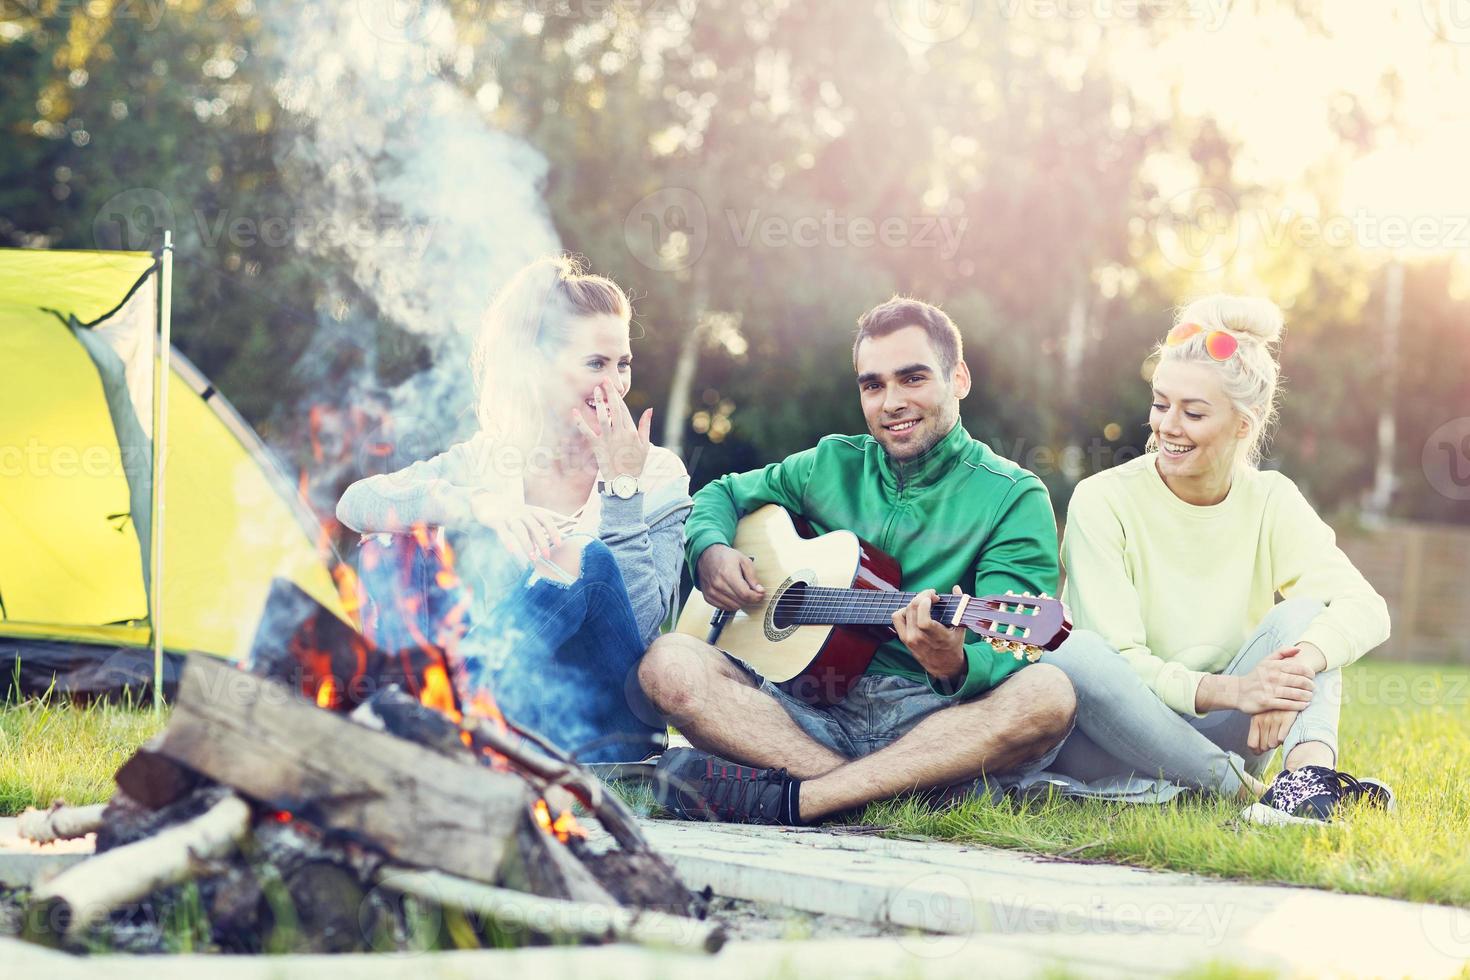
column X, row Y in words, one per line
column 337, row 796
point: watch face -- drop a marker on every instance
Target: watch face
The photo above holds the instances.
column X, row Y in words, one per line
column 625, row 486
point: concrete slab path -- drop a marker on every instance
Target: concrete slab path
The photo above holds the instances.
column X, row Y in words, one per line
column 1127, row 919
column 971, row 910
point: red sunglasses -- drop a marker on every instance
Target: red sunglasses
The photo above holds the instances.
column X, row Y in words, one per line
column 1218, row 344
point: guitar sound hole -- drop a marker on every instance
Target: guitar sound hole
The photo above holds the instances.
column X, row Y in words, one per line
column 788, row 604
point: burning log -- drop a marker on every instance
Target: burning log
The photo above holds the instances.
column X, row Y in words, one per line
column 59, row 822
column 576, row 920
column 551, row 771
column 87, row 892
column 284, row 816
column 416, row 805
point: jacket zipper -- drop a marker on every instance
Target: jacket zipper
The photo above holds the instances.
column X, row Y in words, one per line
column 886, row 543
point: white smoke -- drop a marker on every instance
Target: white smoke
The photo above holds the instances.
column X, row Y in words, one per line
column 404, row 182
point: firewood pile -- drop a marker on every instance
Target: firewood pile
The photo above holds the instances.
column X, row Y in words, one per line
column 281, row 825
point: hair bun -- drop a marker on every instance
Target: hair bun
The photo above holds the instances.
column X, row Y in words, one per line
column 1245, row 316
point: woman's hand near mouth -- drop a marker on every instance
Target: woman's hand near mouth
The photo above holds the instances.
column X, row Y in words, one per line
column 620, row 446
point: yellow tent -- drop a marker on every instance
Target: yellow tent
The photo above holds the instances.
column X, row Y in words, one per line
column 77, row 345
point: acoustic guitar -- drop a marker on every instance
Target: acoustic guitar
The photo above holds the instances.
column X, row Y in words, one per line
column 829, row 602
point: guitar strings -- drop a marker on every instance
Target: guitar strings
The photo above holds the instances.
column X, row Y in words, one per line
column 824, row 603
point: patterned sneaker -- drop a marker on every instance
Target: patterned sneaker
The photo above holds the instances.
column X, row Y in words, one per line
column 1311, row 794
column 694, row 785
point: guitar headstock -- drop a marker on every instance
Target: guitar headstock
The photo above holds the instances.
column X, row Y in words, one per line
column 1025, row 625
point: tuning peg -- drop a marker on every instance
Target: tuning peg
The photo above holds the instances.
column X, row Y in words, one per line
column 1028, row 595
column 1045, row 596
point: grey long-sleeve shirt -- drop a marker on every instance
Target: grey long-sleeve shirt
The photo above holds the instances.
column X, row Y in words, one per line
column 644, row 533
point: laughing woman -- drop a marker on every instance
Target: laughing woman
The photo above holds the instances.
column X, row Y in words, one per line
column 1185, row 666
column 571, row 521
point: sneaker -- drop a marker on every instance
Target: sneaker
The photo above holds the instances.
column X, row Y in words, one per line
column 1311, row 794
column 694, row 785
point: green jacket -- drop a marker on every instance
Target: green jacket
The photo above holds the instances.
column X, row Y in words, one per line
column 958, row 515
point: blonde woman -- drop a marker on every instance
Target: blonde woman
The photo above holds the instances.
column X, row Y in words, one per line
column 1184, row 664
column 583, row 515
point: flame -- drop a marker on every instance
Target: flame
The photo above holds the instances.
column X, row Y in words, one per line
column 563, row 828
column 426, row 666
column 349, row 589
column 483, row 706
column 438, row 693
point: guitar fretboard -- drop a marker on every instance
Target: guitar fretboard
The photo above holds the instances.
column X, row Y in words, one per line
column 817, row 606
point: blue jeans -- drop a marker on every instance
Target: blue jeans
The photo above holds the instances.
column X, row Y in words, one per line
column 880, row 709
column 560, row 659
column 1123, row 728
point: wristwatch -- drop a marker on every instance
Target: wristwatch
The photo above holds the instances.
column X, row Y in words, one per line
column 621, row 486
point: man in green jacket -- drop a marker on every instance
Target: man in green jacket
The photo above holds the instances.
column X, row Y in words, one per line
column 932, row 710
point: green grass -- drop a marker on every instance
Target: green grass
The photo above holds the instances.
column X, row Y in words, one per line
column 51, row 749
column 1409, row 725
column 1406, row 724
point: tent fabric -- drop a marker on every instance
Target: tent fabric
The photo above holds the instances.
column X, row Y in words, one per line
column 75, row 474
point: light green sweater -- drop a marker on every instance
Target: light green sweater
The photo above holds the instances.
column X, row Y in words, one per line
column 1178, row 588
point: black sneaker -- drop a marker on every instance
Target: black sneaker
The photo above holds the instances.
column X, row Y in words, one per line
column 694, row 785
column 1311, row 794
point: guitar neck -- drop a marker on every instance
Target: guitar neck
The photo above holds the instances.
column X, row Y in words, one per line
column 817, row 606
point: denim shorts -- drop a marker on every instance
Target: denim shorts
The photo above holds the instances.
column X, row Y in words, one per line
column 878, row 710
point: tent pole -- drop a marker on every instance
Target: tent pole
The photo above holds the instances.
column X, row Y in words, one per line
column 162, row 344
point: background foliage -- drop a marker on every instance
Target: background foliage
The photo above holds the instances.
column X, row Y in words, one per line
column 1027, row 133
